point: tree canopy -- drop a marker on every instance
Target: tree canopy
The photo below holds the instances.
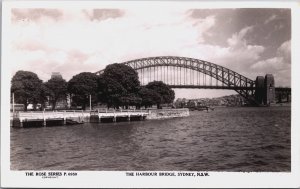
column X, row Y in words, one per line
column 81, row 86
column 165, row 92
column 118, row 86
column 149, row 97
column 126, row 76
column 131, row 100
column 110, row 91
column 45, row 92
column 56, row 89
column 26, row 87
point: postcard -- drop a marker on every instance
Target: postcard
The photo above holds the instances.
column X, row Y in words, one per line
column 150, row 94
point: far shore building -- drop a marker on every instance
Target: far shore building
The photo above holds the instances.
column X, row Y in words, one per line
column 56, row 75
column 62, row 103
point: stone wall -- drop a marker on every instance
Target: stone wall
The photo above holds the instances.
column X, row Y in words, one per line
column 269, row 97
column 265, row 90
column 168, row 113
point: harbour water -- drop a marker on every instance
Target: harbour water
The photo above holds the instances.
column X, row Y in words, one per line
column 226, row 139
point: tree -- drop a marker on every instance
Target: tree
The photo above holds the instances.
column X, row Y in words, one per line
column 118, row 86
column 131, row 99
column 149, row 97
column 81, row 86
column 124, row 75
column 57, row 90
column 26, row 87
column 166, row 93
column 44, row 93
column 110, row 91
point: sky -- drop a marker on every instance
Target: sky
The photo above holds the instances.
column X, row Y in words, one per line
column 251, row 42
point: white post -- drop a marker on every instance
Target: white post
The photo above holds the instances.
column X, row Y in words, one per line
column 13, row 101
column 65, row 117
column 90, row 103
column 44, row 123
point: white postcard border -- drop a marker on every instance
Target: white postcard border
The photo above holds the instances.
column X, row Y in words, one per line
column 115, row 179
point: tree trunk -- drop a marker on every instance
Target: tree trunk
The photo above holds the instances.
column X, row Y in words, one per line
column 43, row 106
column 53, row 104
column 25, row 106
column 158, row 106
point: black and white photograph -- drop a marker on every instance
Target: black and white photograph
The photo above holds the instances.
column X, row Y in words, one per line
column 160, row 91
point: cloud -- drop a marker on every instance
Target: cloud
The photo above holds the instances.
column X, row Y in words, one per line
column 270, row 19
column 279, row 62
column 276, row 66
column 103, row 14
column 285, row 51
column 100, row 43
column 203, row 26
column 237, row 55
column 279, row 65
column 270, row 65
column 35, row 14
column 79, row 40
column 237, row 40
column 279, row 26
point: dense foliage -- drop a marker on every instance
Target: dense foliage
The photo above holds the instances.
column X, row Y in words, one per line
column 26, row 87
column 117, row 86
column 126, row 76
column 56, row 88
column 81, row 86
column 165, row 92
column 149, row 97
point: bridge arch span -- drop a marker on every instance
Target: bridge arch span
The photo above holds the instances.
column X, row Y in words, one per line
column 229, row 78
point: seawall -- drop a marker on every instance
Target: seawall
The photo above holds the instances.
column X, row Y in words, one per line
column 168, row 113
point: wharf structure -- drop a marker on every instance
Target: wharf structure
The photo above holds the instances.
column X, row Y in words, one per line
column 60, row 118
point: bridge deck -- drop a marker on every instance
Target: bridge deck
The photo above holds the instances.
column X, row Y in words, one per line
column 211, row 87
column 223, row 87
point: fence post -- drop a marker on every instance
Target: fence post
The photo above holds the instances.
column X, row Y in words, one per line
column 115, row 116
column 65, row 118
column 44, row 119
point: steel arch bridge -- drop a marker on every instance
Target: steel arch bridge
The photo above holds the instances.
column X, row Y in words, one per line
column 183, row 72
